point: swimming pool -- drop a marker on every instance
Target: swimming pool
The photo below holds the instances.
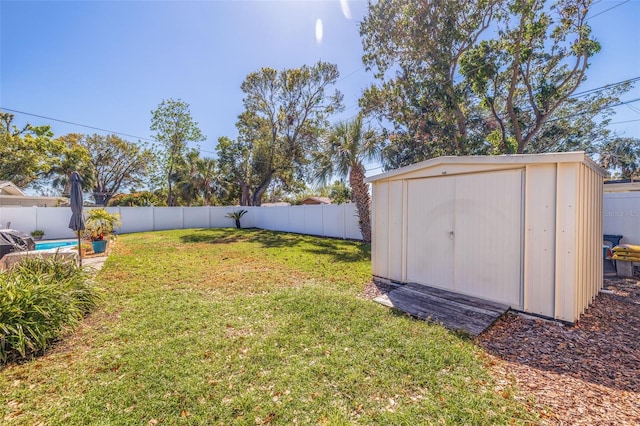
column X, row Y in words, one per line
column 55, row 244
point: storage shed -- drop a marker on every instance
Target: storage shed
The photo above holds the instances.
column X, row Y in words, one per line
column 523, row 230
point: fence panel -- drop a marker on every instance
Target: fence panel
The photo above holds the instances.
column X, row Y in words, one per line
column 351, row 222
column 313, row 219
column 333, row 220
column 338, row 221
column 621, row 215
column 218, row 217
column 296, row 219
column 275, row 218
column 195, row 217
column 135, row 219
column 165, row 218
column 22, row 218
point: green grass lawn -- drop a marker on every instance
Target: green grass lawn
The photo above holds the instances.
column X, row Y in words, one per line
column 221, row 326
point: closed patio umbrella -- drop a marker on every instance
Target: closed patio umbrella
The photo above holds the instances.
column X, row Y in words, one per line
column 77, row 221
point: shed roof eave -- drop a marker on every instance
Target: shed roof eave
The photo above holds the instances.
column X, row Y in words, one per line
column 515, row 159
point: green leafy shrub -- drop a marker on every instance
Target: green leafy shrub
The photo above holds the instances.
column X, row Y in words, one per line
column 40, row 299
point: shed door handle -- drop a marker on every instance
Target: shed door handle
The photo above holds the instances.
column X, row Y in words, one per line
column 451, row 234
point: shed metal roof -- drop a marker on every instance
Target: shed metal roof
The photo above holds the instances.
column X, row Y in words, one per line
column 514, row 159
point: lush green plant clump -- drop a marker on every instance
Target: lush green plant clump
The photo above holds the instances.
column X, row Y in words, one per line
column 40, row 299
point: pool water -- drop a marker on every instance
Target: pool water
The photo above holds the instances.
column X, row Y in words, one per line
column 55, row 244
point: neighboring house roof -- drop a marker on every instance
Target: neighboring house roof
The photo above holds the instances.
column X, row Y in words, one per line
column 317, row 200
column 12, row 196
column 8, row 188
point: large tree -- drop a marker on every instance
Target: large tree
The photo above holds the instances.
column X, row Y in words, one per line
column 477, row 77
column 25, row 152
column 285, row 112
column 343, row 153
column 531, row 70
column 174, row 129
column 70, row 156
column 115, row 163
column 415, row 48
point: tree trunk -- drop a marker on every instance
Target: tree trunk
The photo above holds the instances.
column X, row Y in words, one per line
column 256, row 198
column 100, row 198
column 238, row 224
column 360, row 191
column 244, row 194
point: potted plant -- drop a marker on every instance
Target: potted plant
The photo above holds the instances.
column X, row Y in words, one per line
column 100, row 224
column 37, row 234
column 236, row 216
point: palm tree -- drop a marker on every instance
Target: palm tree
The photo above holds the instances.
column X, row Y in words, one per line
column 343, row 152
column 184, row 178
column 207, row 180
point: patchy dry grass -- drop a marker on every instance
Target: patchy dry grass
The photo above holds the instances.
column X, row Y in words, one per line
column 251, row 327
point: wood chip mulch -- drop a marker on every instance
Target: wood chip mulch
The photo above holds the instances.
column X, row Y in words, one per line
column 586, row 374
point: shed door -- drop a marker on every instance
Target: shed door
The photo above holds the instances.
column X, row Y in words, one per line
column 464, row 233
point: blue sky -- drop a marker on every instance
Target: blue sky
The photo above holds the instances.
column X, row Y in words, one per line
column 108, row 64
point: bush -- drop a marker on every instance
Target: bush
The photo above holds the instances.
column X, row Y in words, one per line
column 40, row 299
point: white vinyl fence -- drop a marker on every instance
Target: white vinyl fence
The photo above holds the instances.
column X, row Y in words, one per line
column 622, row 215
column 328, row 220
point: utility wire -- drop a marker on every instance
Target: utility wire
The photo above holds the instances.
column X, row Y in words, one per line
column 624, row 122
column 76, row 124
column 606, row 10
column 606, row 86
column 594, row 112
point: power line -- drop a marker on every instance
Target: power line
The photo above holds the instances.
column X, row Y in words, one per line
column 634, row 109
column 351, row 74
column 75, row 124
column 606, row 10
column 606, row 86
column 624, row 122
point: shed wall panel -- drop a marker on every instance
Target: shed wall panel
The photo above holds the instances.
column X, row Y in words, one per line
column 540, row 241
column 380, row 235
column 395, row 230
column 566, row 241
column 590, row 239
